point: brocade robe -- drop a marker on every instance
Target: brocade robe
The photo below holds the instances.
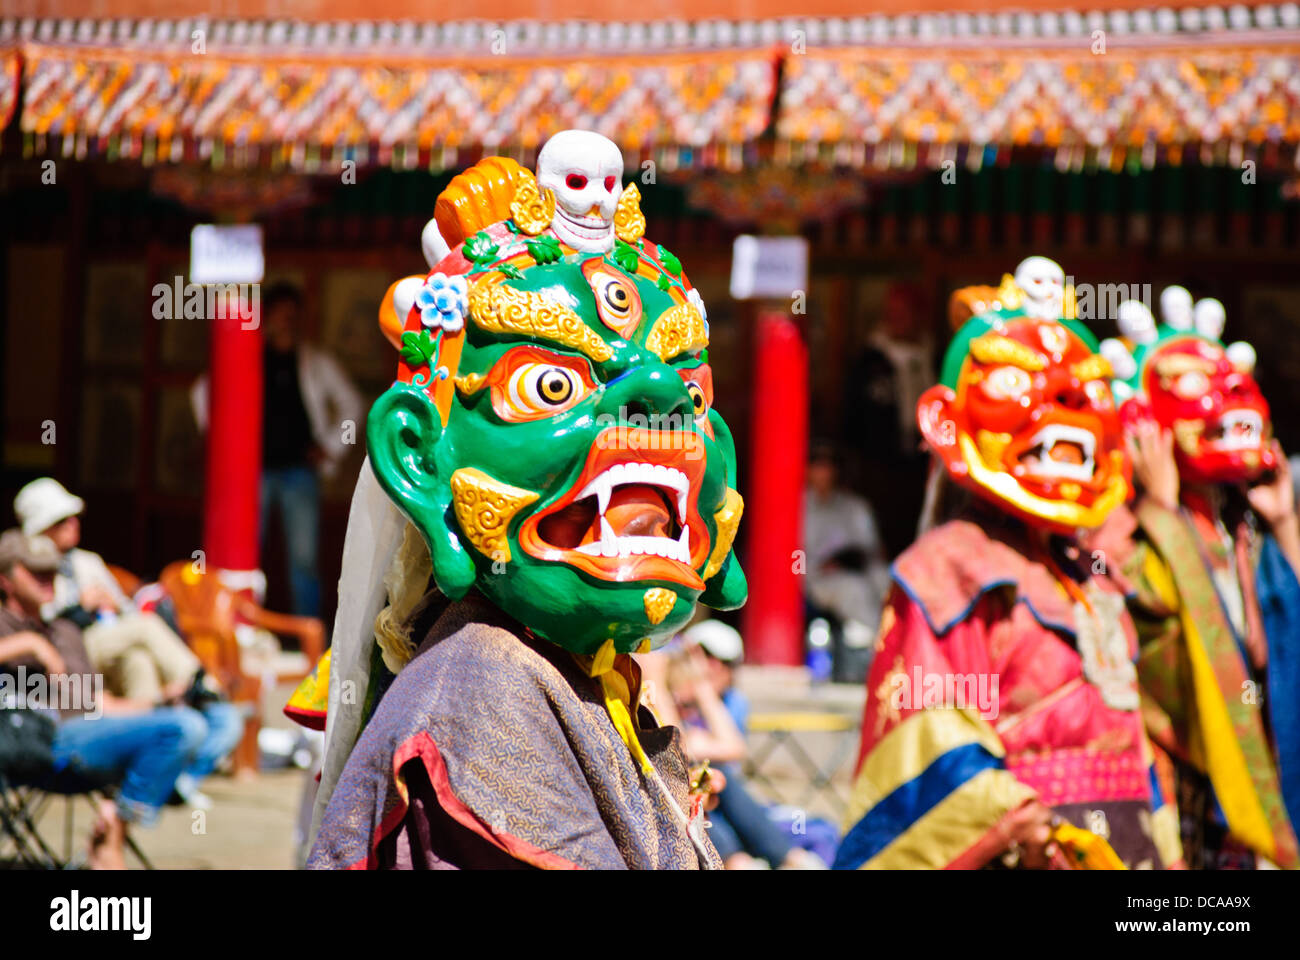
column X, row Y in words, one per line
column 979, row 700
column 1219, row 623
column 493, row 749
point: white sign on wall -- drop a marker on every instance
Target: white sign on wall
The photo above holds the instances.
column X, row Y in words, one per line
column 768, row 267
column 226, row 254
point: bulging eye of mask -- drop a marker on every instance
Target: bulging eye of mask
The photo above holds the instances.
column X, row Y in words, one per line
column 558, row 449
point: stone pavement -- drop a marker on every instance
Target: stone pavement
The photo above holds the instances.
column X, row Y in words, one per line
column 251, row 823
column 250, row 826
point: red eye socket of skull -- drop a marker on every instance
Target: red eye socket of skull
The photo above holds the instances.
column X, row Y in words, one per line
column 575, row 181
column 609, row 184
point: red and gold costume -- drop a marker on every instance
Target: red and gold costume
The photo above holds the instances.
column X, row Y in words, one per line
column 1214, row 597
column 1004, row 668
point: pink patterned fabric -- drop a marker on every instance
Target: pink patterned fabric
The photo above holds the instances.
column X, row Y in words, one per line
column 1080, row 775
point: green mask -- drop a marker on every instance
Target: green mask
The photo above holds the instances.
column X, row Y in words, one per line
column 551, row 433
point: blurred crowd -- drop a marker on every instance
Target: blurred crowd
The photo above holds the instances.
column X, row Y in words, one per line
column 110, row 697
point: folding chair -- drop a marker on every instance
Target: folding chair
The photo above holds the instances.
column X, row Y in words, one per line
column 18, row 830
column 22, row 806
column 819, row 770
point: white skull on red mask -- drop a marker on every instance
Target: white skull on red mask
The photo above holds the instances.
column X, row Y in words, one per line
column 1043, row 282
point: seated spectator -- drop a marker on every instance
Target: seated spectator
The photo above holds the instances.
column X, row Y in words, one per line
column 141, row 747
column 847, row 573
column 713, row 716
column 141, row 657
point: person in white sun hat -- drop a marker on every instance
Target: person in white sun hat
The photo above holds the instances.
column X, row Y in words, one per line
column 43, row 503
column 714, row 717
column 142, row 658
column 144, row 661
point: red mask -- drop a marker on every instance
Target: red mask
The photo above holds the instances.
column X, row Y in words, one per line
column 1031, row 425
column 1219, row 418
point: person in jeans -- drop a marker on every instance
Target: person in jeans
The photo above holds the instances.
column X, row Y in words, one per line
column 714, row 716
column 141, row 657
column 141, row 747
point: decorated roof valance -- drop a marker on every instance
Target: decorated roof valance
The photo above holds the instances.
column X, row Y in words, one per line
column 1163, row 98
column 10, row 77
column 999, row 23
column 182, row 107
column 1158, row 85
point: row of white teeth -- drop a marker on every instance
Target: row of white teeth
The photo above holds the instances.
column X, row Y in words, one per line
column 623, row 474
column 610, row 545
column 590, row 227
column 1242, row 430
column 1055, row 433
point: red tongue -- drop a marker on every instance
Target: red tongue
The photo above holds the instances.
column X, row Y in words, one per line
column 637, row 510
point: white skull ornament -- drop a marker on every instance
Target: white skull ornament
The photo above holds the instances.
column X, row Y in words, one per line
column 1043, row 281
column 1134, row 319
column 1176, row 307
column 1209, row 318
column 585, row 172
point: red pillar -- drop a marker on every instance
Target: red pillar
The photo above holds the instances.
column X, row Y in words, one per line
column 773, row 617
column 234, row 465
